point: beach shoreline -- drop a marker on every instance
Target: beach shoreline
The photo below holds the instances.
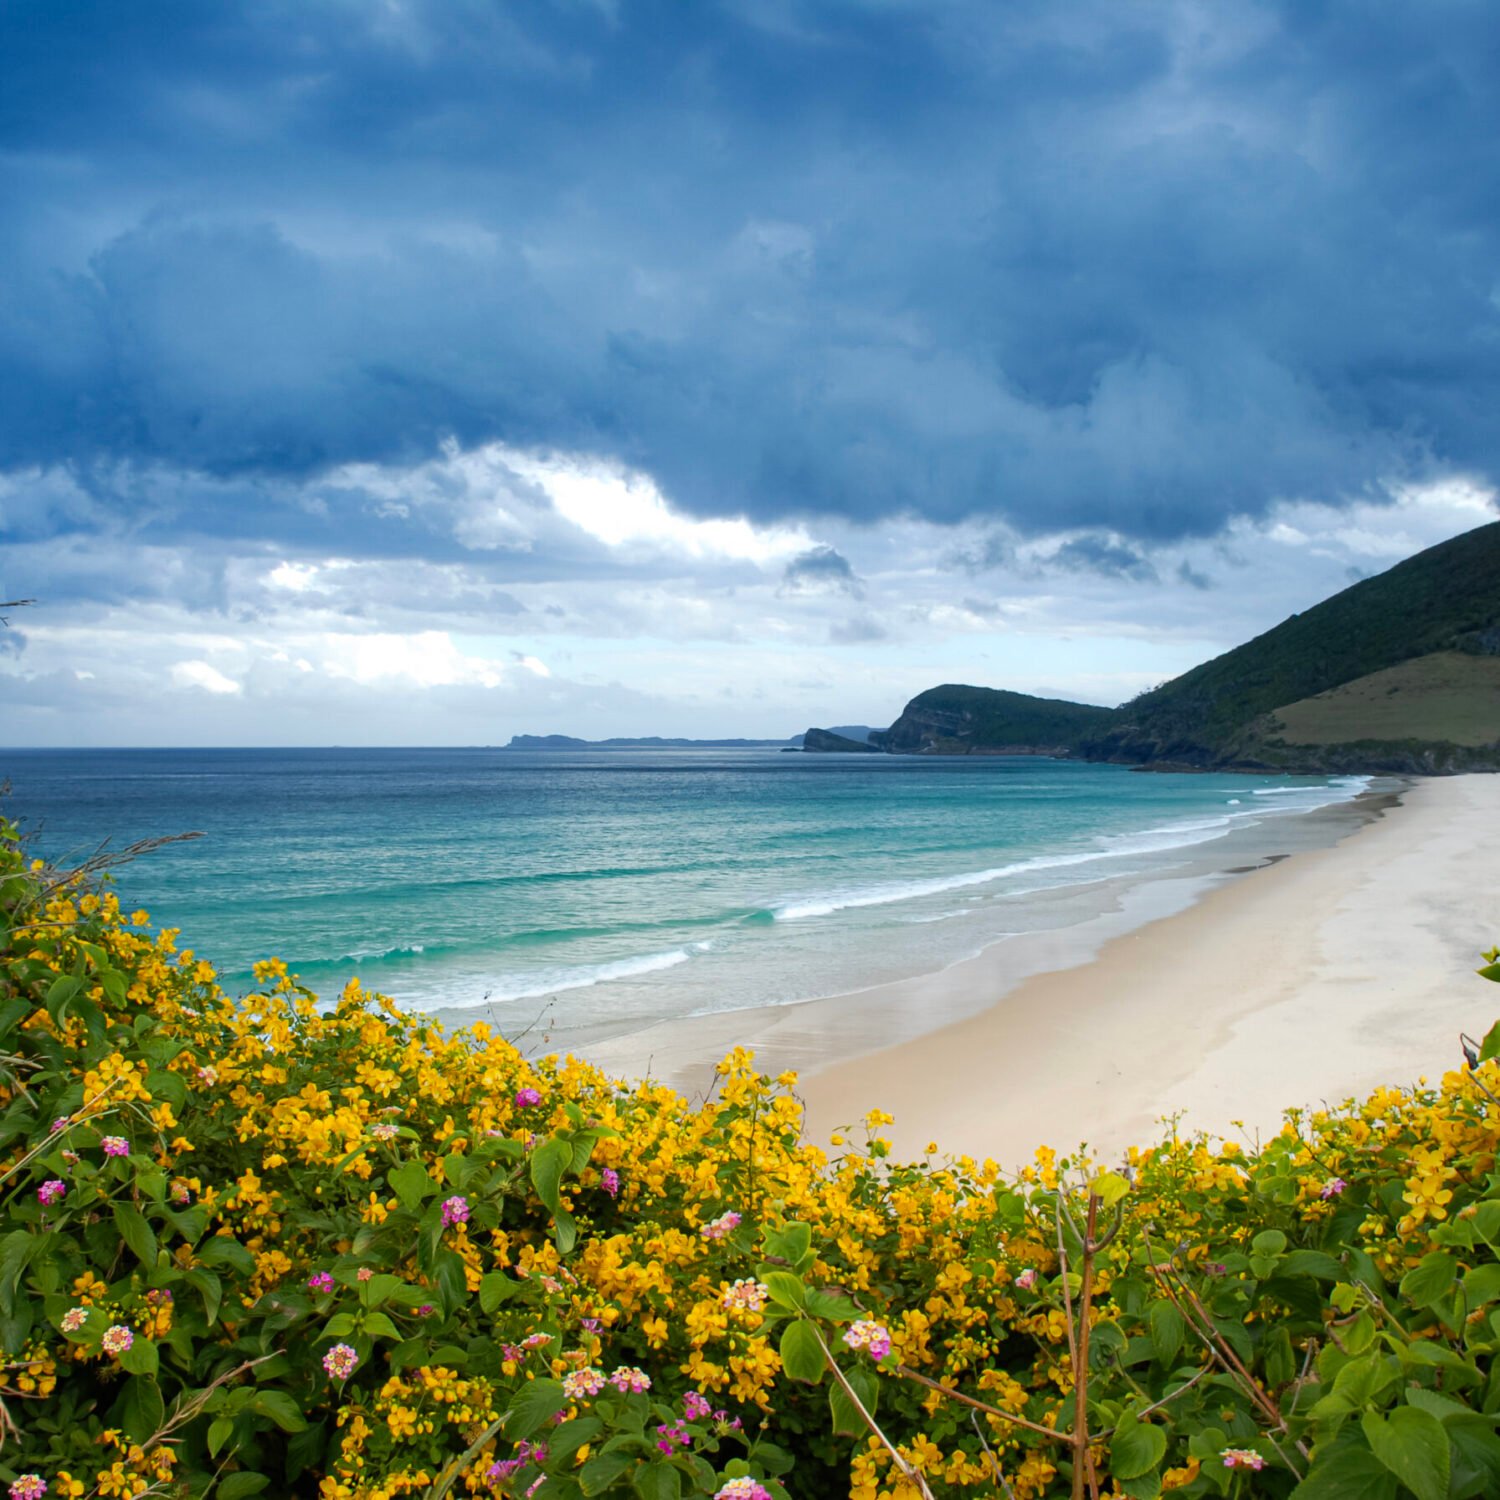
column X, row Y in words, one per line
column 1338, row 957
column 1314, row 978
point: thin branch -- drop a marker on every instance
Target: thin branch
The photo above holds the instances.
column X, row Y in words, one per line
column 994, row 1462
column 993, row 1411
column 1145, row 1411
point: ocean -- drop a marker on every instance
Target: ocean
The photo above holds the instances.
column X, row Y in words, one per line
column 601, row 893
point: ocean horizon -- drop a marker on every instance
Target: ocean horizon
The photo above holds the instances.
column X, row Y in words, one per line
column 611, row 891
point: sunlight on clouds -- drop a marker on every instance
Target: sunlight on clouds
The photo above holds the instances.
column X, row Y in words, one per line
column 428, row 659
column 623, row 508
column 199, row 674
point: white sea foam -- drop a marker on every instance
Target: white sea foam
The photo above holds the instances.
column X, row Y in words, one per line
column 552, row 981
column 1144, row 841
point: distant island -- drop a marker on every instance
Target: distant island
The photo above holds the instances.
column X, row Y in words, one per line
column 852, row 732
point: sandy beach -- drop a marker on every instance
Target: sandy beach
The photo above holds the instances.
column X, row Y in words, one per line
column 1320, row 976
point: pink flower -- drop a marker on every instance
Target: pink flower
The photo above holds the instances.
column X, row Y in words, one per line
column 720, row 1228
column 28, row 1487
column 1333, row 1188
column 208, row 1075
column 74, row 1319
column 61, row 1123
column 609, row 1180
column 670, row 1437
column 341, row 1361
column 425, row 1310
column 695, row 1407
column 320, row 1281
column 743, row 1488
column 455, row 1211
column 512, row 1352
column 364, row 1273
column 536, row 1340
column 117, row 1339
column 745, row 1296
column 525, row 1098
column 385, row 1131
column 628, row 1378
column 873, row 1338
column 578, row 1384
column 52, row 1191
column 115, row 1145
column 1027, row 1279
column 1242, row 1458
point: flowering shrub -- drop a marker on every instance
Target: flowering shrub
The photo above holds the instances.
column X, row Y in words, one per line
column 343, row 1254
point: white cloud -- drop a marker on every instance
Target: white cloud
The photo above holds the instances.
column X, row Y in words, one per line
column 199, row 674
column 430, row 658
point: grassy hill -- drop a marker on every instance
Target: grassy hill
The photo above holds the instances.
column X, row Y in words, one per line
column 1443, row 600
column 1446, row 696
column 955, row 719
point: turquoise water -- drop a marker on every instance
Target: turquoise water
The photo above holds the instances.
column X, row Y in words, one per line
column 617, row 889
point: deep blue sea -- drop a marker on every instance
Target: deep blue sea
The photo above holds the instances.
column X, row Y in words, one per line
column 623, row 887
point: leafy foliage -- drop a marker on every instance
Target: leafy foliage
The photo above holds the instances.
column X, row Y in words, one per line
column 271, row 1247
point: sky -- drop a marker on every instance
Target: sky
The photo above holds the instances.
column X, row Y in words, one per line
column 432, row 371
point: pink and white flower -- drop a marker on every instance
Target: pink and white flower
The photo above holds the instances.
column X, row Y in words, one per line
column 874, row 1338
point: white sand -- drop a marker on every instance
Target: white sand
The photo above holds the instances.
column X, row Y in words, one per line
column 1317, row 978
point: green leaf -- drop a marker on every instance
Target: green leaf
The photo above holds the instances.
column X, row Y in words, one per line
column 136, row 1233
column 1167, row 1330
column 1430, row 1278
column 1481, row 1286
column 452, row 1285
column 801, row 1353
column 1413, row 1446
column 599, row 1473
column 380, row 1288
column 496, row 1288
column 1269, row 1242
column 223, row 1250
column 141, row 1357
column 1351, row 1472
column 210, row 1288
column 341, row 1325
column 60, row 992
column 659, row 1482
column 789, row 1243
column 411, row 1184
column 1314, row 1263
column 832, row 1307
column 280, row 1408
column 548, row 1163
column 1490, row 1046
column 219, row 1433
column 1136, row 1448
column 786, row 1290
column 565, row 1229
column 377, row 1325
column 1110, row 1187
column 532, row 1407
column 847, row 1421
column 238, row 1486
column 141, row 1408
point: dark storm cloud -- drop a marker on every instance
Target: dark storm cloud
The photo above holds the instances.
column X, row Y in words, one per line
column 1092, row 554
column 820, row 568
column 1137, row 269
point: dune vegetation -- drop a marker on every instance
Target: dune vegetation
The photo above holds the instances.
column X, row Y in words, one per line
column 267, row 1245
